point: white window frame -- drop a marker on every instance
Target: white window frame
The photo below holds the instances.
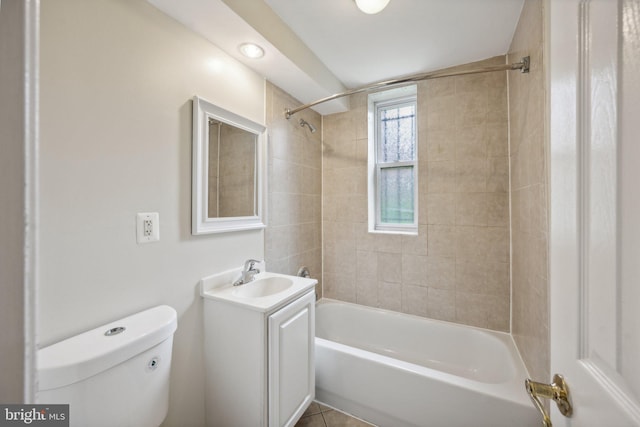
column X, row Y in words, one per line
column 376, row 100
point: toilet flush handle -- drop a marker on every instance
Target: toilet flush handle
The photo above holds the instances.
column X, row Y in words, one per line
column 115, row 331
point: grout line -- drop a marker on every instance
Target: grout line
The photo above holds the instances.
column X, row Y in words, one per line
column 323, row 419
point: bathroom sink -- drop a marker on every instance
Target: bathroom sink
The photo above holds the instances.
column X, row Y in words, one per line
column 266, row 292
column 263, row 287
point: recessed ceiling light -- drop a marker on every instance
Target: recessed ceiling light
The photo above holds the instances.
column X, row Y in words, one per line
column 251, row 50
column 371, row 6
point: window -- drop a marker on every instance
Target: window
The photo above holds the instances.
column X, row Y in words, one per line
column 393, row 165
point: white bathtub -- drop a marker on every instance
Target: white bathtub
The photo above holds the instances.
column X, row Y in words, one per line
column 396, row 370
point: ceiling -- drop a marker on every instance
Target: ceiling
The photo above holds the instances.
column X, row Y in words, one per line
column 317, row 48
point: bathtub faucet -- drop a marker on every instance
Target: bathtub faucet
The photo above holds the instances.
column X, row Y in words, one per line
column 248, row 272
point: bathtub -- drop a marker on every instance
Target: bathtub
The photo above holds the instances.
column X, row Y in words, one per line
column 397, row 370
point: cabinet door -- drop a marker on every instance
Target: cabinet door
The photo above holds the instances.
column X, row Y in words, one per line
column 291, row 361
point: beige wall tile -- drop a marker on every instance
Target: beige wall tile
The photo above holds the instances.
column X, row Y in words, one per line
column 471, row 175
column 441, row 208
column 441, row 145
column 471, row 142
column 367, row 291
column 339, row 231
column 293, row 235
column 416, row 245
column 486, row 311
column 279, row 208
column 472, row 209
column 339, row 127
column 440, row 272
column 364, row 240
column 437, row 88
column 440, row 239
column 471, row 83
column 441, row 176
column 359, row 109
column 529, row 185
column 339, row 257
column 471, row 109
column 462, row 186
column 277, row 242
column 414, row 269
column 388, row 243
column 441, row 112
column 367, row 265
column 471, row 243
column 345, row 208
column 497, row 209
column 339, row 153
column 310, row 209
column 471, row 276
column 279, row 175
column 389, row 267
column 491, row 278
column 441, row 304
column 497, row 140
column 498, row 313
column 390, row 295
column 497, row 244
column 498, row 175
column 415, row 300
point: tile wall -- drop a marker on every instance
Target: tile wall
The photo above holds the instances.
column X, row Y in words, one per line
column 294, row 231
column 457, row 267
column 529, row 195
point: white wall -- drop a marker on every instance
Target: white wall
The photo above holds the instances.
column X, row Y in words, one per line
column 117, row 78
column 12, row 201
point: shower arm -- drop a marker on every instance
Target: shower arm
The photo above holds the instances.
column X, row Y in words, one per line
column 523, row 66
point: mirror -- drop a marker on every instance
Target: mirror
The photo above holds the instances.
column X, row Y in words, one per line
column 231, row 176
column 228, row 156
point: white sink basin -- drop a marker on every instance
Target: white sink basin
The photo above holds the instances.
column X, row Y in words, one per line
column 263, row 287
column 266, row 292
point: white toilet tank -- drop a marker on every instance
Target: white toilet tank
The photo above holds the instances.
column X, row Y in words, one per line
column 116, row 375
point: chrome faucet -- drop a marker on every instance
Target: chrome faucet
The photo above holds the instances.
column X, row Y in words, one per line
column 248, row 272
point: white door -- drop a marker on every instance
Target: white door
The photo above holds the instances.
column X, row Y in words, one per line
column 291, row 361
column 595, row 208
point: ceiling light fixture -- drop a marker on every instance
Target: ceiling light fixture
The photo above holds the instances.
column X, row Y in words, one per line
column 371, row 6
column 251, row 50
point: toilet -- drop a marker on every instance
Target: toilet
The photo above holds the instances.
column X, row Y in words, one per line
column 116, row 375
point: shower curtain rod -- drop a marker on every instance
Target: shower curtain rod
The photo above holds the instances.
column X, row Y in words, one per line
column 523, row 66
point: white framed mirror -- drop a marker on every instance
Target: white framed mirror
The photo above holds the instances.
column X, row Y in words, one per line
column 228, row 170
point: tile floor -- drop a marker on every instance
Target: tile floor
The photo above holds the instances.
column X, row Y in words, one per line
column 318, row 415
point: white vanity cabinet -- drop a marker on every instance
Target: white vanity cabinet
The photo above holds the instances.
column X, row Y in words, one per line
column 259, row 358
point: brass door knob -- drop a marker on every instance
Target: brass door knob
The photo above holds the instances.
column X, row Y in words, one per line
column 558, row 391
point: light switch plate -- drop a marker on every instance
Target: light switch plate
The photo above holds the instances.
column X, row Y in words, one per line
column 148, row 227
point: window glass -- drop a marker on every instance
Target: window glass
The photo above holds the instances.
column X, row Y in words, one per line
column 397, row 195
column 397, row 133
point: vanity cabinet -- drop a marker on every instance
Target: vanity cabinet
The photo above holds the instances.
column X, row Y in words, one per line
column 259, row 363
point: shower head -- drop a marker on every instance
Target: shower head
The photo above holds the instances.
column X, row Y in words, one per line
column 304, row 123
